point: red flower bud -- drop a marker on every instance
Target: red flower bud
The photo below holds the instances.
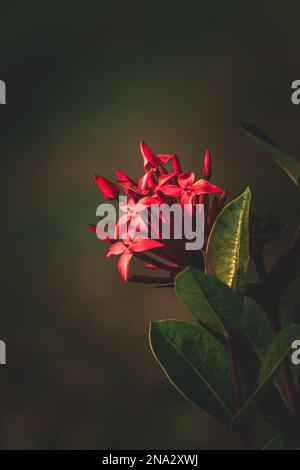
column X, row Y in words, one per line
column 206, row 171
column 176, row 165
column 110, row 190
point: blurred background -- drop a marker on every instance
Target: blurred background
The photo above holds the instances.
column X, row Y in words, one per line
column 85, row 82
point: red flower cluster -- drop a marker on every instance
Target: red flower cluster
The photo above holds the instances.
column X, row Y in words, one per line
column 158, row 186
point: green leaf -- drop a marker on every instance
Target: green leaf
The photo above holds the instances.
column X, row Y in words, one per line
column 287, row 267
column 228, row 244
column 276, row 354
column 256, row 327
column 276, row 443
column 288, row 164
column 287, row 313
column 210, row 300
column 257, row 330
column 196, row 364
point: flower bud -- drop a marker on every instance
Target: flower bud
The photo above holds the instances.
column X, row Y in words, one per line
column 206, row 171
column 109, row 190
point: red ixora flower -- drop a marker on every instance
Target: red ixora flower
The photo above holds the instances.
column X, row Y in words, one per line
column 126, row 249
column 187, row 189
column 157, row 186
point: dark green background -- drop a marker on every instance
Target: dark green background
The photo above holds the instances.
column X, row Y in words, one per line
column 85, row 82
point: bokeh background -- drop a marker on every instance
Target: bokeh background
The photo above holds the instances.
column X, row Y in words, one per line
column 85, row 82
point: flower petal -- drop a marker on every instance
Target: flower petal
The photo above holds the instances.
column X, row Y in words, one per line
column 186, row 179
column 119, row 225
column 204, row 187
column 123, row 264
column 124, row 178
column 150, row 159
column 164, row 179
column 163, row 158
column 148, row 201
column 116, row 249
column 93, row 228
column 187, row 201
column 145, row 180
column 171, row 190
column 110, row 190
column 143, row 244
column 137, row 227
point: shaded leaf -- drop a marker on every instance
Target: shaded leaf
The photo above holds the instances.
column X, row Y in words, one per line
column 288, row 164
column 287, row 268
column 283, row 442
column 276, row 354
column 268, row 233
column 228, row 243
column 256, row 326
column 276, row 443
column 196, row 364
column 210, row 300
column 285, row 421
column 287, row 313
column 257, row 330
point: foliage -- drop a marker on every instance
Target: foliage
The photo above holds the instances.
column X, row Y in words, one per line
column 233, row 362
column 207, row 361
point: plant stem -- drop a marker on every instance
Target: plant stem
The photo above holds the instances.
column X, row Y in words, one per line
column 286, row 378
column 272, row 313
column 235, row 386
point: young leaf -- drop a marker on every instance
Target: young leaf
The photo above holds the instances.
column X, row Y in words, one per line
column 288, row 164
column 276, row 354
column 196, row 364
column 228, row 243
column 213, row 303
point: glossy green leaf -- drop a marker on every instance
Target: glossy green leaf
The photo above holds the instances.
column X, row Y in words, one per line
column 288, row 164
column 228, row 244
column 279, row 349
column 277, row 352
column 213, row 303
column 196, row 364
